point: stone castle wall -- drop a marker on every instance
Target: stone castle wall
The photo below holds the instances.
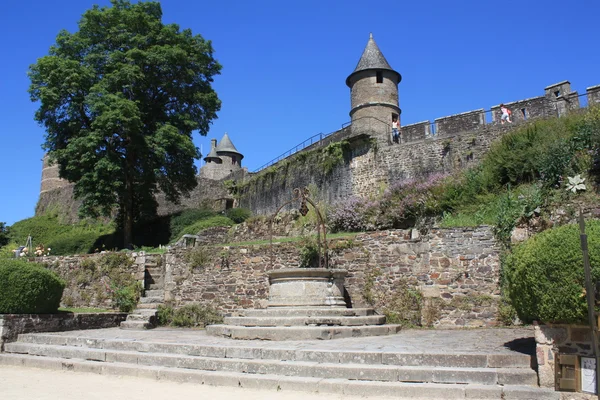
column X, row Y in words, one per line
column 447, row 144
column 455, row 270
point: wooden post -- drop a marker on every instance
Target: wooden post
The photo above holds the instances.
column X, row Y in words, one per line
column 590, row 295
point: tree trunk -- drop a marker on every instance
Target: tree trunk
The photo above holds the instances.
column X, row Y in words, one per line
column 128, row 209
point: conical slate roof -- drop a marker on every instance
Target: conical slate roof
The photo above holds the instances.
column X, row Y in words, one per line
column 226, row 145
column 372, row 58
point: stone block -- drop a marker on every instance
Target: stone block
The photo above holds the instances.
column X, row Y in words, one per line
column 476, row 376
column 545, row 334
column 430, row 291
column 528, row 393
column 508, row 361
column 483, row 392
column 517, row 376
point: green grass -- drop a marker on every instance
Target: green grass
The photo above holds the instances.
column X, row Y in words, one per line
column 83, row 310
column 340, row 235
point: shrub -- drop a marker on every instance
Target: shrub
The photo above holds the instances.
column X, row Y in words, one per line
column 203, row 224
column 545, row 275
column 403, row 306
column 125, row 298
column 238, row 215
column 187, row 218
column 198, row 256
column 309, row 253
column 27, row 288
column 190, row 316
column 62, row 239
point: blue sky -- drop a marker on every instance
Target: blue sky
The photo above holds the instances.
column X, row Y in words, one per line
column 285, row 65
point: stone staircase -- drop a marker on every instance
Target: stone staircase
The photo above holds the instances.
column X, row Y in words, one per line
column 310, row 366
column 144, row 316
column 303, row 323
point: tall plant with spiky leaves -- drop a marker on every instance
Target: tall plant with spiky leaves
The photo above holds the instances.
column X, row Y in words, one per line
column 120, row 99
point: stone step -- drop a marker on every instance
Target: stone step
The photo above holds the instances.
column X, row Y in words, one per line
column 155, row 286
column 398, row 390
column 142, row 317
column 355, row 371
column 137, row 325
column 304, row 321
column 154, row 293
column 251, row 351
column 148, row 306
column 144, row 311
column 306, row 311
column 147, row 300
column 299, row 332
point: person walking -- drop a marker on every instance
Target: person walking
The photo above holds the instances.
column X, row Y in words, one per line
column 505, row 114
column 395, row 130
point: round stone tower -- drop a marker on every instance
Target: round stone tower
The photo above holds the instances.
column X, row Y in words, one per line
column 223, row 159
column 374, row 93
column 50, row 178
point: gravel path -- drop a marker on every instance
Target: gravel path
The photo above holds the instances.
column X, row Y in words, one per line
column 18, row 383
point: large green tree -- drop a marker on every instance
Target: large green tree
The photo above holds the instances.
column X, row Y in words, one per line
column 4, row 238
column 120, row 99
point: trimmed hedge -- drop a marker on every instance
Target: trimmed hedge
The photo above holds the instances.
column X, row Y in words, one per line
column 545, row 275
column 28, row 288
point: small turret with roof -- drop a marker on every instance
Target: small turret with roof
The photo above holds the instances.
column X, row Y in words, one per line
column 373, row 93
column 222, row 160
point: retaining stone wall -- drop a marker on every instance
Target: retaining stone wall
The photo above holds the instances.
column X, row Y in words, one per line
column 12, row 325
column 456, row 270
column 552, row 339
column 83, row 288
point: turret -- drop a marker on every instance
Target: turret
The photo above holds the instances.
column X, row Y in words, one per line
column 222, row 160
column 373, row 93
column 50, row 177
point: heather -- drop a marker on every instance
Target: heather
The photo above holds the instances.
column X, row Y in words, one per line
column 400, row 205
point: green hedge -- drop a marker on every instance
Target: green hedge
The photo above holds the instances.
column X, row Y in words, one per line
column 545, row 275
column 28, row 288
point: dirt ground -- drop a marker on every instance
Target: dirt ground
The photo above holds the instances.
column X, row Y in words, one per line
column 18, row 383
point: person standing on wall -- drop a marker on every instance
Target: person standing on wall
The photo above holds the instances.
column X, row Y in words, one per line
column 395, row 130
column 505, row 114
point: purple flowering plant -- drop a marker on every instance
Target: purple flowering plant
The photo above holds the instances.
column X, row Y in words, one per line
column 400, row 204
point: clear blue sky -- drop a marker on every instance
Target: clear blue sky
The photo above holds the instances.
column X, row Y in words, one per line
column 285, row 65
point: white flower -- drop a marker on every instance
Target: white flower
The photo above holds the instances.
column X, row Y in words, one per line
column 575, row 183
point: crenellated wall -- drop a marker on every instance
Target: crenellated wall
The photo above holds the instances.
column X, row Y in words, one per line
column 449, row 143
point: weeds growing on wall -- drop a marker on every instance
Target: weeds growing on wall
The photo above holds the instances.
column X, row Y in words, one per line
column 198, row 257
column 189, row 316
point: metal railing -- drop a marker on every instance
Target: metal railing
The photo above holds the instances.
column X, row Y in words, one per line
column 308, row 142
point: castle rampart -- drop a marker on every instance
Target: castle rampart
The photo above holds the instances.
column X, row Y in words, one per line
column 371, row 160
column 467, row 121
column 593, row 95
column 456, row 142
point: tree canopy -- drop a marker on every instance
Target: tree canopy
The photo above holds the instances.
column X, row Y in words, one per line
column 120, row 99
column 4, row 238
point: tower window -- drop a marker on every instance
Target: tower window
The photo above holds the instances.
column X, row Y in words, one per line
column 524, row 112
column 233, row 160
column 379, row 77
column 557, row 93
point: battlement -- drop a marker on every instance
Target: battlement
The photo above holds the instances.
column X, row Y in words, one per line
column 558, row 100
